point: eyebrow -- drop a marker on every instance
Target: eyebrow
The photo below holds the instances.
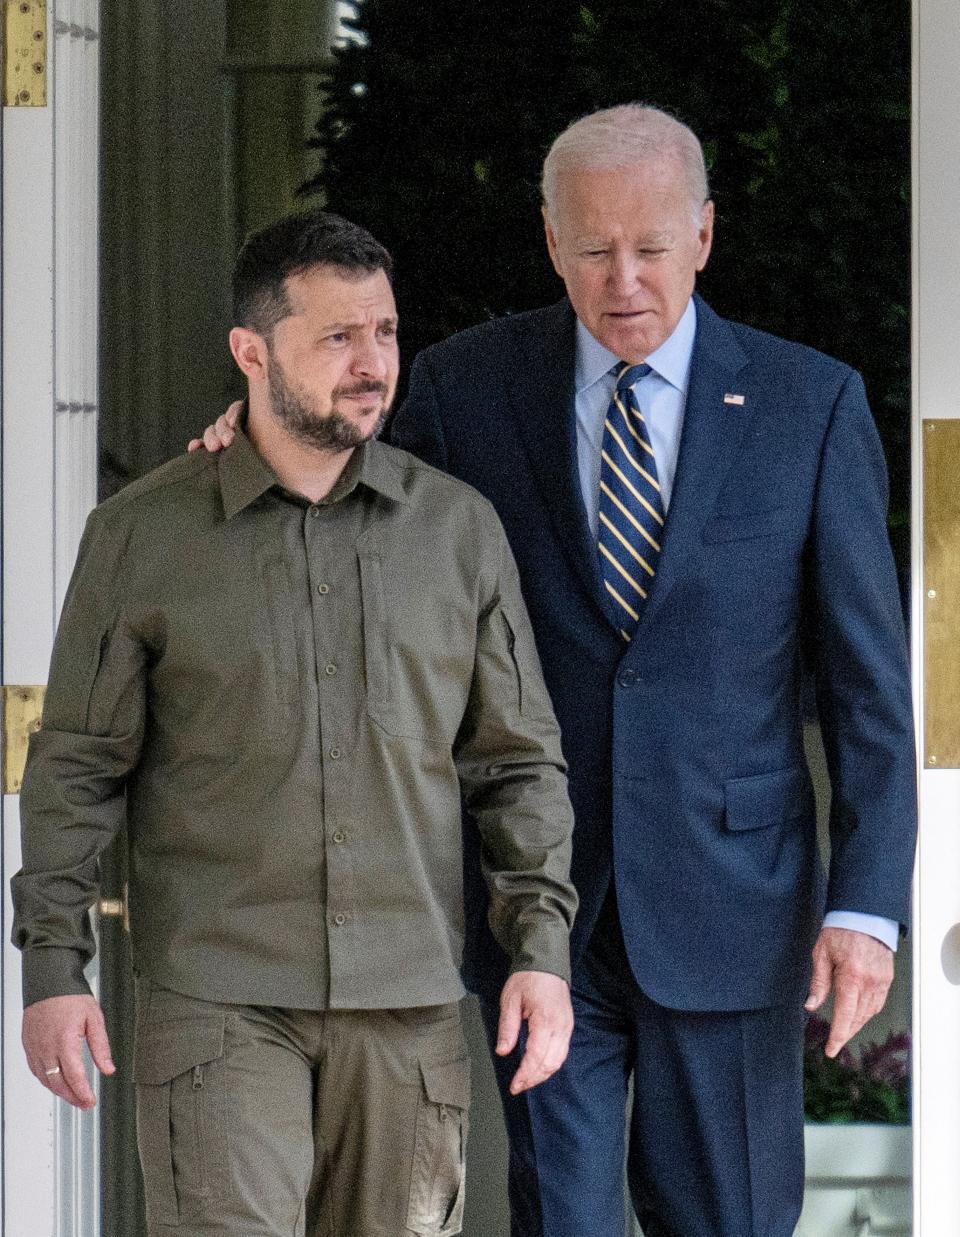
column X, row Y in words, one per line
column 654, row 238
column 386, row 320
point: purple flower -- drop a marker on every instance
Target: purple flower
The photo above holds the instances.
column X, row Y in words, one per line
column 889, row 1061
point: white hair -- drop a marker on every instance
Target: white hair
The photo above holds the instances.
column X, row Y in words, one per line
column 624, row 136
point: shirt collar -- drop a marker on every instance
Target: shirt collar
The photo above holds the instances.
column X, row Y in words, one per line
column 671, row 360
column 245, row 475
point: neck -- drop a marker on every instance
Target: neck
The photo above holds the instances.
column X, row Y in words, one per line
column 300, row 468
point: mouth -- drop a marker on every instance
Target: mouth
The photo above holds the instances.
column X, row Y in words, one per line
column 377, row 391
column 626, row 315
column 367, row 402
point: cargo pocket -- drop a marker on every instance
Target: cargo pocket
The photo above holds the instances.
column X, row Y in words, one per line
column 437, row 1179
column 181, row 1124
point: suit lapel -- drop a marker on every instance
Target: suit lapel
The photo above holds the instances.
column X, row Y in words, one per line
column 709, row 443
column 543, row 404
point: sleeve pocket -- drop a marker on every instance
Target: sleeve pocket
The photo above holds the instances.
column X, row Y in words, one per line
column 767, row 799
column 514, row 657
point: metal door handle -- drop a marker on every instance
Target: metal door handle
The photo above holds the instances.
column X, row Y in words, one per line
column 115, row 908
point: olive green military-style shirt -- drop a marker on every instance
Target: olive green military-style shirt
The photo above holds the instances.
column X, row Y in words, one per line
column 284, row 703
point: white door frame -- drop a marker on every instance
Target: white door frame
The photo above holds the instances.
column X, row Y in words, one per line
column 936, row 394
column 50, row 1173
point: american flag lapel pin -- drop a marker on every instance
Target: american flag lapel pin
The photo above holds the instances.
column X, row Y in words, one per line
column 739, row 400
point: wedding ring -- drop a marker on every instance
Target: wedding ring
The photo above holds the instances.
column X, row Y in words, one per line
column 50, row 1072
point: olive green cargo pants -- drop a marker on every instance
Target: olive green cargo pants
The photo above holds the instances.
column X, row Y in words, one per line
column 262, row 1122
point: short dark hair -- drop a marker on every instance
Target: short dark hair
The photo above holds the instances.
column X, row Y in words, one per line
column 291, row 246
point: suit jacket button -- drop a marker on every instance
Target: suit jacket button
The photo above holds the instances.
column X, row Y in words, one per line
column 628, row 677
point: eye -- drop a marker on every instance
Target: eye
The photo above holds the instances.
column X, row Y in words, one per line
column 338, row 337
column 389, row 331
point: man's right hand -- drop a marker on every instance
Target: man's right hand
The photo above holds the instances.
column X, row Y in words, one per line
column 54, row 1031
column 219, row 435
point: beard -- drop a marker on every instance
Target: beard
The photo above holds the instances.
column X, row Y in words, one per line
column 323, row 431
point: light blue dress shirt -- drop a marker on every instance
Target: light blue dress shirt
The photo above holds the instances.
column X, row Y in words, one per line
column 662, row 396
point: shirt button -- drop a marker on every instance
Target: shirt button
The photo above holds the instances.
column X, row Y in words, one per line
column 314, row 511
column 628, row 677
column 339, row 836
column 323, row 589
column 330, row 668
column 335, row 753
column 339, row 920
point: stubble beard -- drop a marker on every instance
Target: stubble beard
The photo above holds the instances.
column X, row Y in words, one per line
column 330, row 431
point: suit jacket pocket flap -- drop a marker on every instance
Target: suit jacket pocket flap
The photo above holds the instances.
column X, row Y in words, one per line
column 447, row 1084
column 745, row 527
column 166, row 1050
column 766, row 799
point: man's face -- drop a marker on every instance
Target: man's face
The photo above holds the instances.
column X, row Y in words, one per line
column 333, row 360
column 625, row 243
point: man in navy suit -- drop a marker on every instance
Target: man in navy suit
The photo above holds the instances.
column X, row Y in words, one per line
column 696, row 509
column 701, row 893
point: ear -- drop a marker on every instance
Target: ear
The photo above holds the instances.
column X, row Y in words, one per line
column 250, row 352
column 706, row 234
column 552, row 247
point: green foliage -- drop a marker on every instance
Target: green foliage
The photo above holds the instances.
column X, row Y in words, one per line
column 870, row 1085
column 436, row 129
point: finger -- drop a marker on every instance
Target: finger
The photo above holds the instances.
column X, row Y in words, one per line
column 233, row 412
column 224, row 428
column 844, row 1023
column 820, row 980
column 872, row 1001
column 54, row 1082
column 99, row 1043
column 508, row 1030
column 74, row 1076
column 61, row 1088
column 546, row 1051
column 194, row 444
column 211, row 439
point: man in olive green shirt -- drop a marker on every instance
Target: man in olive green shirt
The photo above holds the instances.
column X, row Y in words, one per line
column 281, row 668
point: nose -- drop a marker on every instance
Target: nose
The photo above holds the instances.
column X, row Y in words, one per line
column 369, row 359
column 623, row 273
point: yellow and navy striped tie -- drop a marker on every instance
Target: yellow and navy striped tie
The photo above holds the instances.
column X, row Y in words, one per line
column 632, row 513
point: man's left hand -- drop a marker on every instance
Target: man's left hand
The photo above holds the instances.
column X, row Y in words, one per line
column 859, row 970
column 544, row 1001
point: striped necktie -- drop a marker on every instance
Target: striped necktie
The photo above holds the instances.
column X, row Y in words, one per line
column 632, row 513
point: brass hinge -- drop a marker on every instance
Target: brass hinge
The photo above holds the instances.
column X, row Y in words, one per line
column 25, row 53
column 22, row 707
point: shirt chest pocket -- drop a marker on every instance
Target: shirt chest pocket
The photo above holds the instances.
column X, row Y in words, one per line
column 282, row 659
column 419, row 647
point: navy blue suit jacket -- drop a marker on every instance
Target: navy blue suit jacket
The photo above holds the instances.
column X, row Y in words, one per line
column 685, row 751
